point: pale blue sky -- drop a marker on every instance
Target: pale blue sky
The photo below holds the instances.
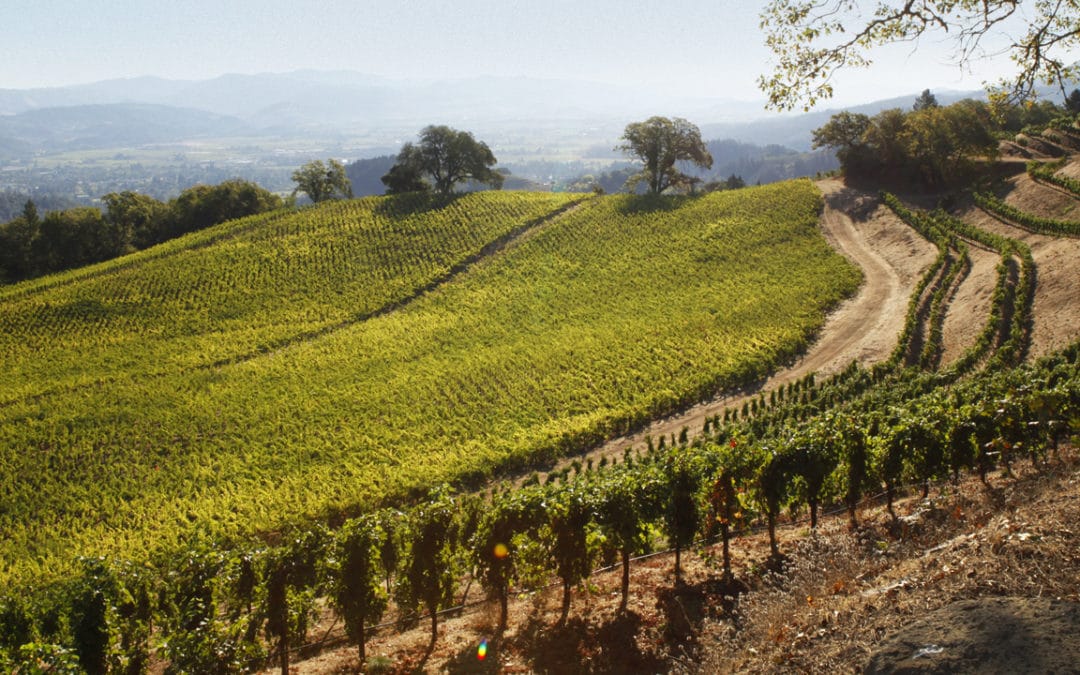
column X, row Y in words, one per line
column 707, row 47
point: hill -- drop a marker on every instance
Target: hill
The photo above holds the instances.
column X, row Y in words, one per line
column 978, row 576
column 299, row 365
column 919, row 415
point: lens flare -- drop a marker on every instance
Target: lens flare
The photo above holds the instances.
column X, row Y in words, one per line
column 481, row 651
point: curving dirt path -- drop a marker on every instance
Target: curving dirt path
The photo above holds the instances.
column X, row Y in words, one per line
column 863, row 328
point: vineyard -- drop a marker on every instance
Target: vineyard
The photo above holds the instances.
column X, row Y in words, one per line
column 593, row 317
column 291, row 367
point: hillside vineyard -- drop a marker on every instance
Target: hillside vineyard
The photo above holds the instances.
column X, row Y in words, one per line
column 298, row 365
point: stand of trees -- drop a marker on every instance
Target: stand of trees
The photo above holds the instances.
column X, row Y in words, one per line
column 930, row 145
column 32, row 245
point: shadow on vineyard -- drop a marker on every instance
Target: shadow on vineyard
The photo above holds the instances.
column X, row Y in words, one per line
column 650, row 203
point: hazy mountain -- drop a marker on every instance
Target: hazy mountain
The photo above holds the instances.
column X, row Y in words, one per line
column 329, row 98
column 112, row 125
column 504, row 110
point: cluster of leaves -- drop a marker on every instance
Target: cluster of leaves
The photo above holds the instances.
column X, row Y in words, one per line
column 32, row 246
column 813, row 39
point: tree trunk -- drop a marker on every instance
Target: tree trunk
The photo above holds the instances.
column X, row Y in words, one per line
column 434, row 627
column 772, row 534
column 678, row 564
column 725, row 534
column 283, row 647
column 625, row 579
column 813, row 514
column 363, row 649
column 853, row 522
column 504, row 609
column 565, row 603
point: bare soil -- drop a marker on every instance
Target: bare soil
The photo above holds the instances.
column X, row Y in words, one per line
column 949, row 587
column 962, row 327
column 1057, row 259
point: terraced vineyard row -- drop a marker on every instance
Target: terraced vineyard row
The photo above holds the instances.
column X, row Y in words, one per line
column 1011, row 299
column 1047, row 172
column 1010, row 213
column 598, row 320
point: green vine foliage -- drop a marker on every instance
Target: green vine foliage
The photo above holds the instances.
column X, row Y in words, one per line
column 214, row 604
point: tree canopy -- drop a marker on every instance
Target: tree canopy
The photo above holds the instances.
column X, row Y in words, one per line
column 813, row 39
column 931, row 145
column 321, row 181
column 660, row 142
column 31, row 245
column 444, row 156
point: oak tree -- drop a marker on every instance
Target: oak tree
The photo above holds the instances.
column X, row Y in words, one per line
column 660, row 142
column 322, row 181
column 445, row 156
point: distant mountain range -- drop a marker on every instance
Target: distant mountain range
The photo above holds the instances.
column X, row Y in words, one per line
column 385, row 112
column 107, row 125
column 332, row 99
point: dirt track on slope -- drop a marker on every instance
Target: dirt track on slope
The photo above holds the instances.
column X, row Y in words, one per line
column 863, row 328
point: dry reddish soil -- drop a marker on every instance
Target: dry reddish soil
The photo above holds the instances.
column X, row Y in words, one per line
column 952, row 586
column 974, row 579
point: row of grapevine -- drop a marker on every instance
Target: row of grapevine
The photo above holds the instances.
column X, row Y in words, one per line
column 946, row 232
column 1009, row 213
column 1047, row 172
column 216, row 607
column 945, row 269
column 1008, row 298
column 245, row 287
column 795, row 454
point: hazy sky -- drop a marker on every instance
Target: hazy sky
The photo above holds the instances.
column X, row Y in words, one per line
column 707, row 47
